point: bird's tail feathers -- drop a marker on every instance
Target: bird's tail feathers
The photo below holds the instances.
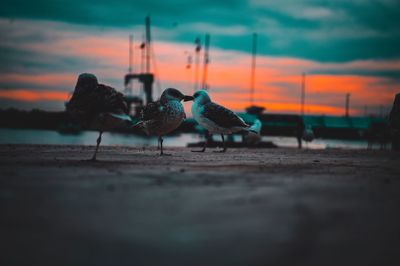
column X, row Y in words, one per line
column 137, row 125
column 252, row 131
column 123, row 117
column 248, row 130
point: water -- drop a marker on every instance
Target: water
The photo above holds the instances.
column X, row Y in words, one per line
column 32, row 136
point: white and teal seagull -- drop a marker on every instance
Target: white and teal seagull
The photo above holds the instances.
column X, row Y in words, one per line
column 215, row 118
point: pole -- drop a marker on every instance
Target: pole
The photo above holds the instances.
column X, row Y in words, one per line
column 143, row 54
column 303, row 93
column 206, row 61
column 148, row 41
column 347, row 104
column 130, row 69
column 253, row 68
column 197, row 63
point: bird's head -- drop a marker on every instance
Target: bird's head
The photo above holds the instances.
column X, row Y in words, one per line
column 172, row 94
column 201, row 97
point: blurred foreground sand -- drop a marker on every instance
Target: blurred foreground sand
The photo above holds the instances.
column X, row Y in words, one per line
column 245, row 207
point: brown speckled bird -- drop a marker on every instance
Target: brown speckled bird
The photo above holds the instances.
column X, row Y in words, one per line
column 97, row 106
column 165, row 115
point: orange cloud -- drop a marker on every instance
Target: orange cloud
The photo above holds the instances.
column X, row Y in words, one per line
column 57, row 79
column 278, row 79
column 32, row 96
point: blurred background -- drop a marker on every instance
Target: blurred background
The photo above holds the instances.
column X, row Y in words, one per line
column 330, row 67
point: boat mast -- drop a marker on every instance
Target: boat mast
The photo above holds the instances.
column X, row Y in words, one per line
column 197, row 63
column 206, row 61
column 130, row 69
column 148, row 45
column 303, row 93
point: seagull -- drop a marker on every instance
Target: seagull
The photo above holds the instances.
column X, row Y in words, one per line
column 165, row 115
column 216, row 118
column 97, row 106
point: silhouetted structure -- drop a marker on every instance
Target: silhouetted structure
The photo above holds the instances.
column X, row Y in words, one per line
column 206, row 62
column 146, row 78
column 255, row 110
column 303, row 93
column 394, row 121
column 197, row 41
column 130, row 68
column 253, row 68
column 347, row 105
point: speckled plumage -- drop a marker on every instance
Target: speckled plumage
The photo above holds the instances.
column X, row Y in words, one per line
column 97, row 106
column 93, row 104
column 215, row 118
column 164, row 116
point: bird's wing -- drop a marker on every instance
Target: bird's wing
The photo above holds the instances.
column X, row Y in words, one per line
column 221, row 116
column 152, row 111
column 107, row 99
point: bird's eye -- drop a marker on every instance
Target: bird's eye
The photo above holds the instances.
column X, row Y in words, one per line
column 196, row 95
column 177, row 94
column 173, row 93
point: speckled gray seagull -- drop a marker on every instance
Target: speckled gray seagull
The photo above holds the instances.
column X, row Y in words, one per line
column 216, row 118
column 165, row 115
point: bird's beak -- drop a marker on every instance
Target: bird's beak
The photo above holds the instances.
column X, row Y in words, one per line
column 187, row 98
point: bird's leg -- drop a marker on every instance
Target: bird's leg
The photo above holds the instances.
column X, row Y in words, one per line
column 97, row 146
column 160, row 139
column 207, row 135
column 223, row 144
column 158, row 144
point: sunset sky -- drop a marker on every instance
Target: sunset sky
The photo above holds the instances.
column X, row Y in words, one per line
column 343, row 46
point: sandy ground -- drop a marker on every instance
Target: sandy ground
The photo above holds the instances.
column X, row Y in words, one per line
column 245, row 207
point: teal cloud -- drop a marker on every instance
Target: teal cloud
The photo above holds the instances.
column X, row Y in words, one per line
column 326, row 31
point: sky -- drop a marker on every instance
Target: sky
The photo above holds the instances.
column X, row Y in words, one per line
column 342, row 46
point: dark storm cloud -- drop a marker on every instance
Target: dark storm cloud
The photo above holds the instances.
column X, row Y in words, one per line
column 313, row 29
